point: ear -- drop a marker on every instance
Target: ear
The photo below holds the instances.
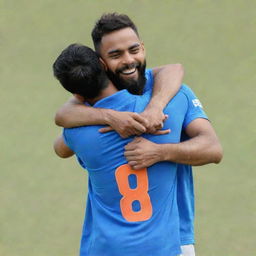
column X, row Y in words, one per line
column 79, row 97
column 103, row 64
column 143, row 47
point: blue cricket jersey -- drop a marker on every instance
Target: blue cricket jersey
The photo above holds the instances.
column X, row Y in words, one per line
column 185, row 187
column 130, row 213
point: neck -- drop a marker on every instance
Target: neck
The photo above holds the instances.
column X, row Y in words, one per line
column 108, row 91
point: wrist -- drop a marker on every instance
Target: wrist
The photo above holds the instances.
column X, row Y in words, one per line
column 160, row 149
column 156, row 103
column 168, row 152
column 106, row 116
column 154, row 107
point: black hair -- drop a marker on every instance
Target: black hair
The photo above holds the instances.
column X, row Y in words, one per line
column 79, row 71
column 108, row 23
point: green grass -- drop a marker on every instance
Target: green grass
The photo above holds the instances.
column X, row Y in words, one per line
column 43, row 197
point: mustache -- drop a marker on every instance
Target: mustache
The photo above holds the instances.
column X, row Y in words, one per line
column 134, row 86
column 130, row 66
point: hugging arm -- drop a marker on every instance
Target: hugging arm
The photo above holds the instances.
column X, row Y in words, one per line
column 167, row 82
column 74, row 113
column 203, row 147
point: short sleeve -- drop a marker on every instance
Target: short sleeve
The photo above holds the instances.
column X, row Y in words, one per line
column 149, row 80
column 195, row 108
column 67, row 136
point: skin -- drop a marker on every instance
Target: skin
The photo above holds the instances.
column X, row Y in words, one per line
column 123, row 48
column 202, row 148
column 61, row 149
column 119, row 49
column 59, row 145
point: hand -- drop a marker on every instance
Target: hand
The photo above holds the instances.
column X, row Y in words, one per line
column 155, row 118
column 142, row 153
column 125, row 123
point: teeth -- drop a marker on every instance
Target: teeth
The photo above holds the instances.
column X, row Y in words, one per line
column 128, row 71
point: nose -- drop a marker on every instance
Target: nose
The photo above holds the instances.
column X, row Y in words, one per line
column 128, row 59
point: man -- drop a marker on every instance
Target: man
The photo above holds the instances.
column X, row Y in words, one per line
column 117, row 42
column 128, row 212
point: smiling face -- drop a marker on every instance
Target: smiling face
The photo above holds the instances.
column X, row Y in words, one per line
column 124, row 56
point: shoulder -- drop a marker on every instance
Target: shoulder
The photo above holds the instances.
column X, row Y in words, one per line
column 183, row 94
column 149, row 80
column 149, row 73
column 185, row 89
column 190, row 95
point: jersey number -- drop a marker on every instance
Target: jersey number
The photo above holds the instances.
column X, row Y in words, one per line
column 140, row 193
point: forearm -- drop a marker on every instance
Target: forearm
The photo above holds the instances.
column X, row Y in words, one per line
column 167, row 82
column 203, row 147
column 195, row 151
column 74, row 115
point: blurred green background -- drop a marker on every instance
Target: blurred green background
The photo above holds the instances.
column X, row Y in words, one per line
column 43, row 197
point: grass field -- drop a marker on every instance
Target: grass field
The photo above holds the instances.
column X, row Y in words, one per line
column 42, row 197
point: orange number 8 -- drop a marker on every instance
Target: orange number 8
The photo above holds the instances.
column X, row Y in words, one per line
column 140, row 193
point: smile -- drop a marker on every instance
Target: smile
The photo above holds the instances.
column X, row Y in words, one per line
column 128, row 71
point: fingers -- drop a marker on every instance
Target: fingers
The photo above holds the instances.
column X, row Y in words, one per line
column 160, row 126
column 130, row 155
column 136, row 125
column 156, row 129
column 135, row 165
column 132, row 145
column 138, row 128
column 132, row 163
column 106, row 129
column 130, row 132
column 143, row 121
column 162, row 132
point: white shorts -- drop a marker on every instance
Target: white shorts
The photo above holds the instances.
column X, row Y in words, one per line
column 188, row 250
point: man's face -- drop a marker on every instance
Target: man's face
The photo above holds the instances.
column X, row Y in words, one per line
column 124, row 56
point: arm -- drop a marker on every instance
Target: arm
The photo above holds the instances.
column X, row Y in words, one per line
column 61, row 149
column 74, row 113
column 203, row 148
column 167, row 82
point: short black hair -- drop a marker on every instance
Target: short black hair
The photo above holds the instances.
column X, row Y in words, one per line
column 108, row 23
column 79, row 71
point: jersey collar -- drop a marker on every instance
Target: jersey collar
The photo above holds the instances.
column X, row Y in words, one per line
column 116, row 99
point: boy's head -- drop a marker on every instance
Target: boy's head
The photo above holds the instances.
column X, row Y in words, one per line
column 79, row 71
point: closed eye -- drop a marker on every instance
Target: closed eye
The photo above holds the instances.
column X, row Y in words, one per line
column 114, row 56
column 134, row 50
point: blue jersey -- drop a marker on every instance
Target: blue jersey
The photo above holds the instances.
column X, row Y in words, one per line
column 185, row 187
column 129, row 212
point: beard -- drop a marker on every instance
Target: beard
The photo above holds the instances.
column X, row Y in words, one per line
column 133, row 86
